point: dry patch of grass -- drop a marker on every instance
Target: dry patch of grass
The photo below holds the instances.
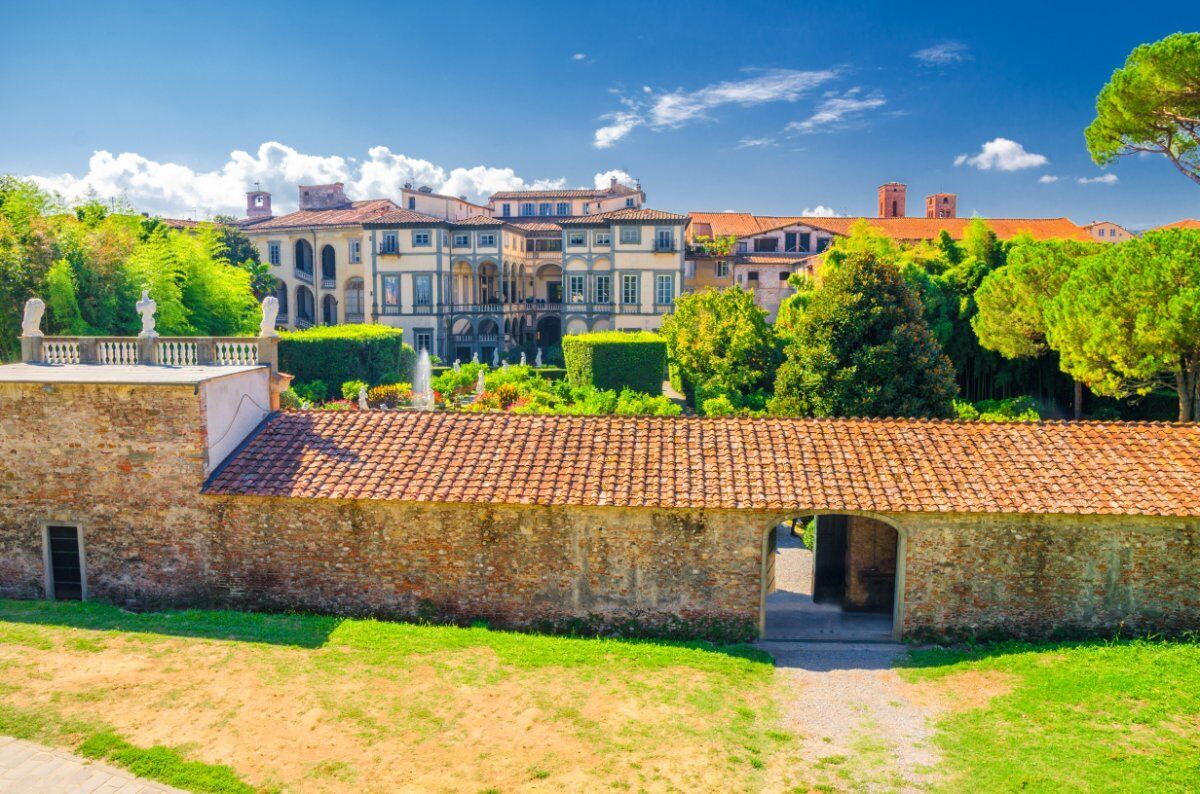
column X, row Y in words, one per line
column 317, row 704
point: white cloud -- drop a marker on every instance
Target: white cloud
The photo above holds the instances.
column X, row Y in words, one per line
column 835, row 110
column 622, row 123
column 1002, row 154
column 673, row 109
column 579, row 56
column 941, row 54
column 603, row 179
column 175, row 189
column 821, row 211
column 1104, row 179
column 750, row 143
column 1047, row 179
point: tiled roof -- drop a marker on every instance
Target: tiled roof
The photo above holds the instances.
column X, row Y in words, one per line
column 777, row 464
column 742, row 224
column 624, row 214
column 357, row 213
column 400, row 216
column 478, row 220
column 179, row 223
column 534, row 226
column 1186, row 223
column 776, row 259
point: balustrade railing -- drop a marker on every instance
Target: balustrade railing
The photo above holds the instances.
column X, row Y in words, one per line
column 166, row 351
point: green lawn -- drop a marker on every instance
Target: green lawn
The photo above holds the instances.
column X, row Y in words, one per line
column 226, row 701
column 1120, row 716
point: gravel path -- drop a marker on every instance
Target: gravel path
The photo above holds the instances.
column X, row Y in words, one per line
column 858, row 724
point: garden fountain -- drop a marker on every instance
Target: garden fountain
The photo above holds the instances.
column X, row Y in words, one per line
column 422, row 393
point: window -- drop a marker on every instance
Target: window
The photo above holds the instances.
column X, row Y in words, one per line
column 273, row 253
column 722, row 269
column 629, row 289
column 391, row 294
column 629, row 202
column 822, row 244
column 603, row 238
column 805, row 241
column 423, row 290
column 412, row 202
column 577, row 238
column 64, row 564
column 575, row 288
column 527, row 209
column 462, row 240
column 631, row 234
column 752, row 275
column 789, row 241
column 391, row 243
column 783, row 275
column 356, row 251
column 420, row 238
column 354, row 297
column 664, row 240
column 487, row 240
column 689, row 269
column 424, row 339
column 741, row 248
column 564, row 208
column 664, row 289
column 604, row 289
column 506, row 210
column 766, row 244
column 544, row 208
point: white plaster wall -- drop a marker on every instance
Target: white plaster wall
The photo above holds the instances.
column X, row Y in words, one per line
column 233, row 406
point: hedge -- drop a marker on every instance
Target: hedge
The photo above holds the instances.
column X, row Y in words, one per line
column 338, row 353
column 616, row 360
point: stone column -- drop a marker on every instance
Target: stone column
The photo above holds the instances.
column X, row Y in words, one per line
column 31, row 348
column 268, row 352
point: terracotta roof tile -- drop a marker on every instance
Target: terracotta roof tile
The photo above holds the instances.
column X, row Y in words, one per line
column 776, row 464
column 624, row 214
column 357, row 213
column 742, row 224
column 479, row 220
column 1186, row 223
column 399, row 216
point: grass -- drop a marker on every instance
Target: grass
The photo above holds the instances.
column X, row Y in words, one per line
column 1099, row 716
column 229, row 701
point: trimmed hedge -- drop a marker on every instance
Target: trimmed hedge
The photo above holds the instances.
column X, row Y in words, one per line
column 338, row 353
column 616, row 360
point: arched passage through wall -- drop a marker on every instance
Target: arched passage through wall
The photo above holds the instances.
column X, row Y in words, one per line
column 840, row 578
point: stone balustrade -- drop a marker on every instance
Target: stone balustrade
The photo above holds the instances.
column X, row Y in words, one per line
column 166, row 351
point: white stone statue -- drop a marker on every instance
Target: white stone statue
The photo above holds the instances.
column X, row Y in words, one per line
column 479, row 385
column 522, row 358
column 147, row 307
column 362, row 398
column 270, row 310
column 457, row 366
column 31, row 323
column 504, row 367
column 495, row 357
column 537, row 360
column 475, row 357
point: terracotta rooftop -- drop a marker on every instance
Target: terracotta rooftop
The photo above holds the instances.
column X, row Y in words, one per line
column 398, row 216
column 791, row 259
column 770, row 464
column 357, row 213
column 478, row 220
column 742, row 224
column 616, row 190
column 1186, row 223
column 624, row 214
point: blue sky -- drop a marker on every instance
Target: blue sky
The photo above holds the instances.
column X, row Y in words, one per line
column 774, row 108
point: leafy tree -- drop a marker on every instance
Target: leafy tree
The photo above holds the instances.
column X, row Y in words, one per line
column 1012, row 300
column 235, row 246
column 1127, row 320
column 61, row 300
column 719, row 342
column 1152, row 104
column 862, row 346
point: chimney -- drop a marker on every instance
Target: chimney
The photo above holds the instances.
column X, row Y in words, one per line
column 612, row 184
column 892, row 200
column 941, row 205
column 258, row 204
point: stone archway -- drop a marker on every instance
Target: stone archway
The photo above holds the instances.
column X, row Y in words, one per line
column 847, row 586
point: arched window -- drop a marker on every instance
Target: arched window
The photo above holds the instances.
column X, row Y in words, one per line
column 328, row 267
column 354, row 300
column 304, row 257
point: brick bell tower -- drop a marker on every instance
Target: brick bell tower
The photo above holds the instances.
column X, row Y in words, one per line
column 892, row 197
column 258, row 203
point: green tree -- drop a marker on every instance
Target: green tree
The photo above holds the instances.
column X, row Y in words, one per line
column 719, row 342
column 61, row 300
column 1012, row 300
column 1127, row 320
column 236, row 247
column 862, row 346
column 1152, row 104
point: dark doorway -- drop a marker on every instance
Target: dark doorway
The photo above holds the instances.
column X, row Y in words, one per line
column 328, row 267
column 549, row 332
column 329, row 310
column 66, row 563
column 830, row 578
column 554, row 292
